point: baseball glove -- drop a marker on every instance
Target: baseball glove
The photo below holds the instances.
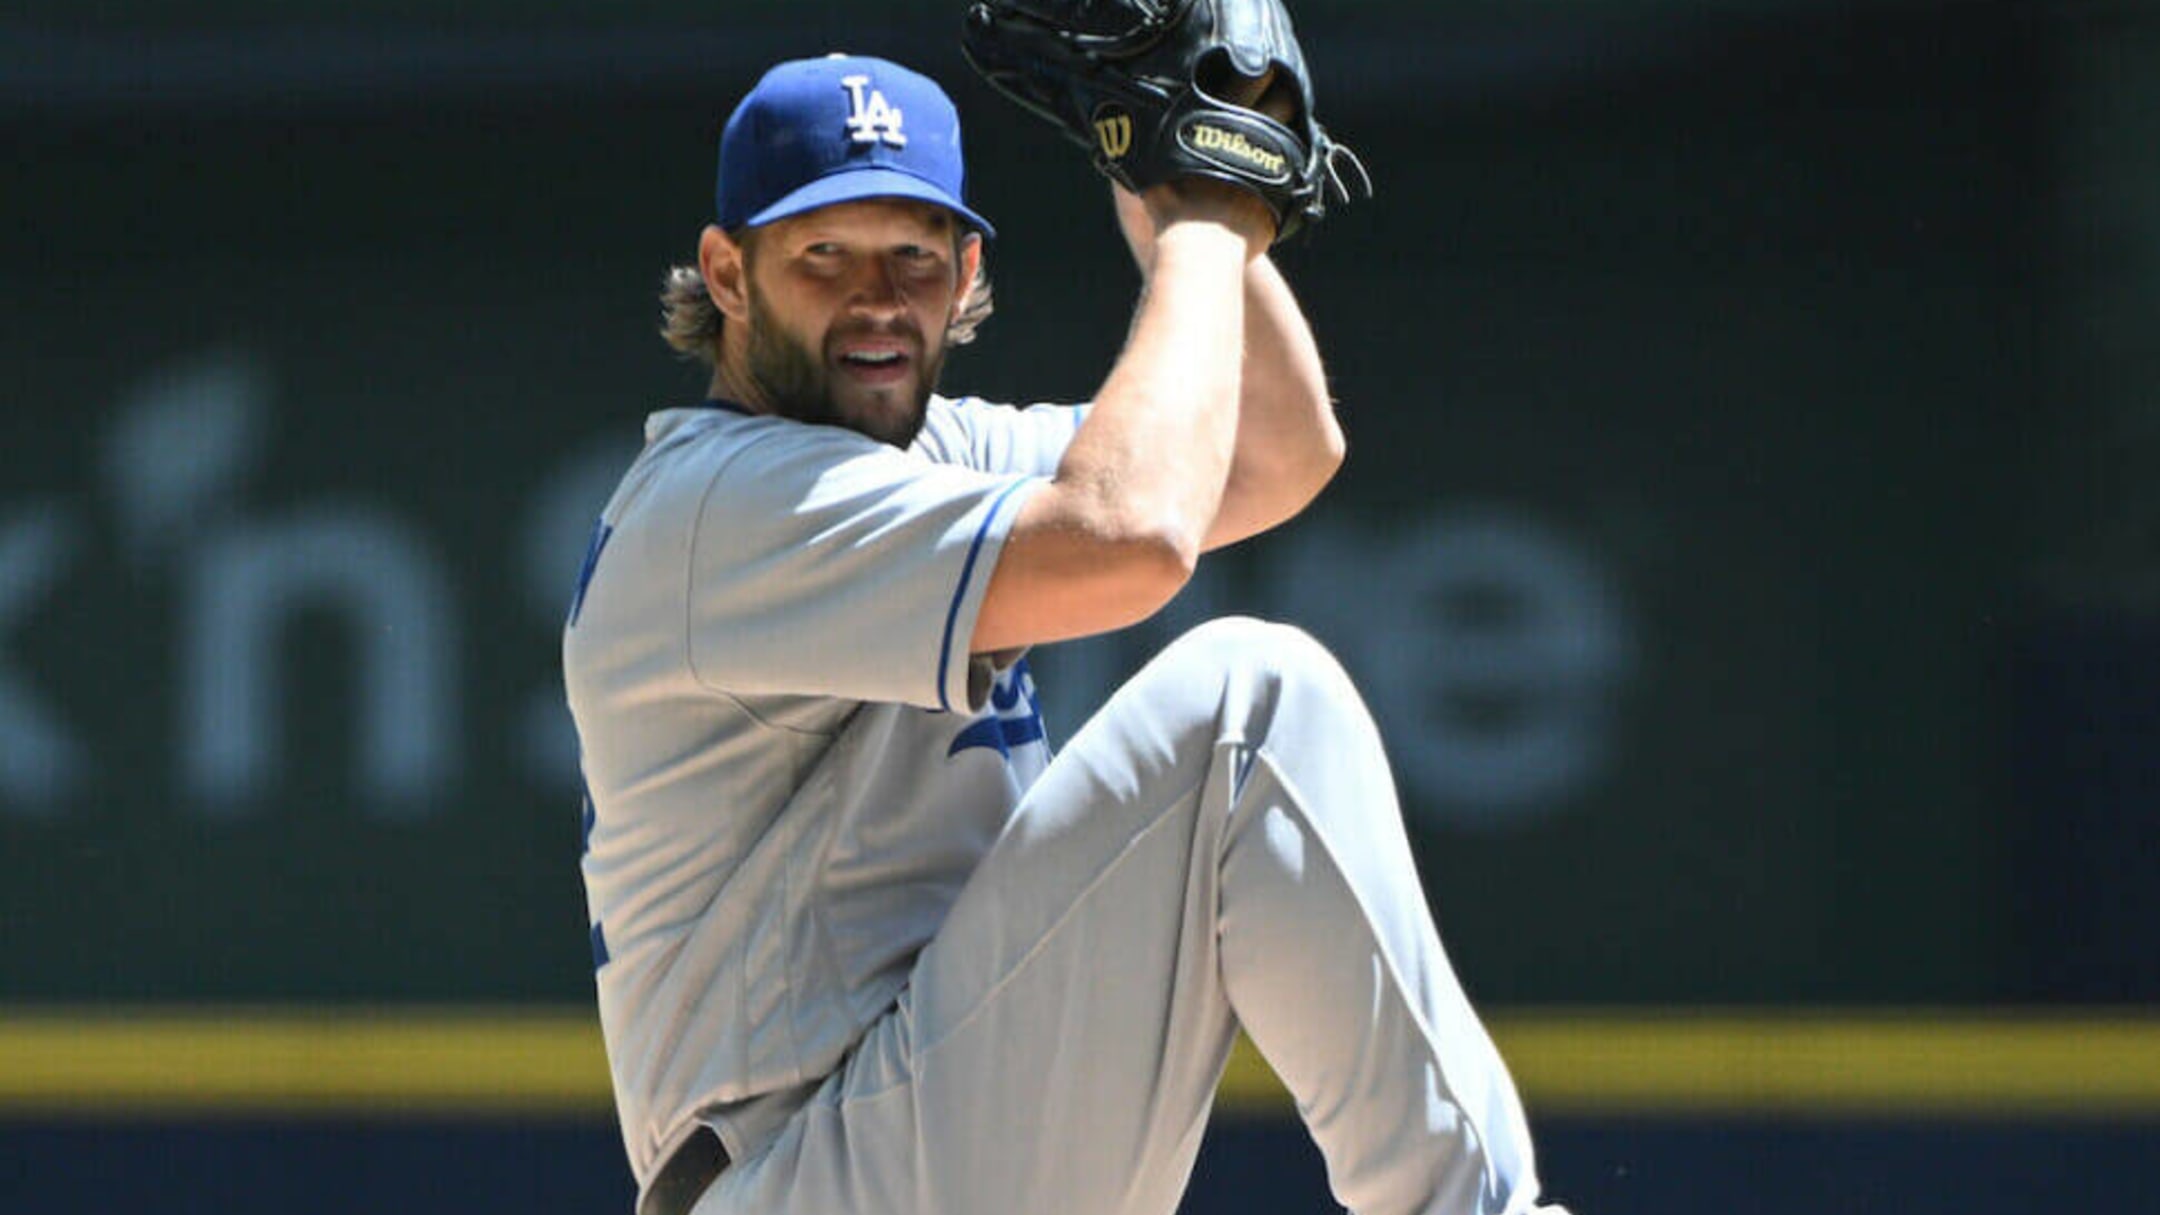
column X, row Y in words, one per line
column 1144, row 86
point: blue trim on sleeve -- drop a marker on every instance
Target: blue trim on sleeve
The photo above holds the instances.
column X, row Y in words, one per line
column 601, row 532
column 967, row 574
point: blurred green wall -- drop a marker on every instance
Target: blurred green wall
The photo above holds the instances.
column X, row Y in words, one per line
column 1704, row 378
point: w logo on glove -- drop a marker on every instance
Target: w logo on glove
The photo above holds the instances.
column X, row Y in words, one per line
column 1113, row 134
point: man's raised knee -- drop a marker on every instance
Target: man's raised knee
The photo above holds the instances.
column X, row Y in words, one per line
column 1231, row 643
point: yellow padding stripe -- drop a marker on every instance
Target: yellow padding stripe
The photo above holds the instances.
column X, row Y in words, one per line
column 291, row 1062
column 1927, row 1065
column 71, row 1062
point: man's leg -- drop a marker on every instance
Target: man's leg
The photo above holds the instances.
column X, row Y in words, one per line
column 1220, row 845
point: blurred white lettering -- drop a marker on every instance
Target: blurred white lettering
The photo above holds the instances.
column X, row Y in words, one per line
column 1490, row 648
column 41, row 763
column 379, row 579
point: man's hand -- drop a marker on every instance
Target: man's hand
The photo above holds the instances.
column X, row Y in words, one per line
column 1140, row 220
column 1200, row 200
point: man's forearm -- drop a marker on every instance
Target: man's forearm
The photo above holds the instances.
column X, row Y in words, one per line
column 1120, row 527
column 1288, row 441
column 1164, row 424
column 1288, row 444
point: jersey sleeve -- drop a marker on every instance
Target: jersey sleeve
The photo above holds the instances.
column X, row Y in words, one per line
column 825, row 563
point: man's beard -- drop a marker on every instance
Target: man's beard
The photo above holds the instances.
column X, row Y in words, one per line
column 797, row 384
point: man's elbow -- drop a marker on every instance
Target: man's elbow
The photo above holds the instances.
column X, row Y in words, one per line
column 1333, row 449
column 1321, row 458
column 1159, row 561
column 1129, row 581
column 1143, row 555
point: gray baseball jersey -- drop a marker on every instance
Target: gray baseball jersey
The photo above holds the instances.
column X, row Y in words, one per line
column 792, row 762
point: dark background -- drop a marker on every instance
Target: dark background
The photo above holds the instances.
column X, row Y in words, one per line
column 1750, row 544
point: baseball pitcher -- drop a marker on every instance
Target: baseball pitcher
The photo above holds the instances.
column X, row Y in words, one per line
column 863, row 946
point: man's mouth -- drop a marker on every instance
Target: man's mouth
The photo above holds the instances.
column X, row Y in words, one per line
column 875, row 362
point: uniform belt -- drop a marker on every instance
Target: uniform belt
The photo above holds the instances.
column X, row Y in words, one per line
column 686, row 1175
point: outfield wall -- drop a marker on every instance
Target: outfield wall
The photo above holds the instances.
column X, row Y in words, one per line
column 1715, row 509
column 243, row 1111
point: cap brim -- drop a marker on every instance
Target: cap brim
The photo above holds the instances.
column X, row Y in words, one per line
column 856, row 185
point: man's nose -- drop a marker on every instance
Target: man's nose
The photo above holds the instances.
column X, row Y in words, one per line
column 877, row 287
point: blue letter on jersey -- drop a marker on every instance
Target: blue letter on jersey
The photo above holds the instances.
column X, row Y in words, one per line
column 1017, row 720
column 590, row 819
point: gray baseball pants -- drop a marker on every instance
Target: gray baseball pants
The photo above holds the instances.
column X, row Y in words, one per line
column 1220, row 846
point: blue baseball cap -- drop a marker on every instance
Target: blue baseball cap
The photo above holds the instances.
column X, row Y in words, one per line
column 815, row 132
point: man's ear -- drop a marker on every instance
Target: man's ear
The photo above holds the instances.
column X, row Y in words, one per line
column 726, row 273
column 971, row 255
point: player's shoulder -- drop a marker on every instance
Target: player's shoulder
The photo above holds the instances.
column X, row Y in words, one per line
column 954, row 426
column 948, row 429
column 964, row 410
column 955, row 411
column 688, row 451
column 705, row 441
column 710, row 427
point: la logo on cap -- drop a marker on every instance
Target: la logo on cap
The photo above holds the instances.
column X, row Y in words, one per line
column 871, row 119
column 818, row 132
